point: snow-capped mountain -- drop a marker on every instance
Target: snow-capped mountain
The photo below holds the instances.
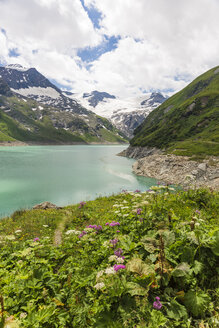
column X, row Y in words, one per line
column 54, row 107
column 30, row 83
column 126, row 114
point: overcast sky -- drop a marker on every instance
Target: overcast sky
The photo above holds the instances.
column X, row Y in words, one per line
column 124, row 47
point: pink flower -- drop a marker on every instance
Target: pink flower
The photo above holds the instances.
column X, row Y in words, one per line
column 107, row 223
column 36, row 239
column 117, row 267
column 157, row 304
column 139, row 210
column 118, row 252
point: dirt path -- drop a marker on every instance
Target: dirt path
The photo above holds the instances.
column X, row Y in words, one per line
column 57, row 239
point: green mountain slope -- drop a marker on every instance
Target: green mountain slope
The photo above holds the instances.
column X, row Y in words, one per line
column 24, row 119
column 188, row 122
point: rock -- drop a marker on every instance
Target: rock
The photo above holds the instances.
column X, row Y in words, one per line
column 202, row 166
column 179, row 170
column 45, row 206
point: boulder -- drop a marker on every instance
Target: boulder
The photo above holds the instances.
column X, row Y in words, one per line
column 45, row 206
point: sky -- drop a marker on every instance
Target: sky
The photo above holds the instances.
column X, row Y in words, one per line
column 123, row 47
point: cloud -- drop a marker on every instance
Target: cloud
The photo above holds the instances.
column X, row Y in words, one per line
column 160, row 45
column 61, row 25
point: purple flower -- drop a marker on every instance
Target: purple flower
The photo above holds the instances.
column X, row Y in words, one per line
column 124, row 190
column 107, row 223
column 81, row 204
column 118, row 231
column 139, row 210
column 141, row 219
column 36, row 239
column 118, row 252
column 114, row 242
column 137, row 190
column 117, row 267
column 197, row 211
column 82, row 234
column 157, row 304
column 113, row 224
column 94, row 226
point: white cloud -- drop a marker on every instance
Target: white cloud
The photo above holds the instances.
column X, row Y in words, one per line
column 62, row 25
column 162, row 41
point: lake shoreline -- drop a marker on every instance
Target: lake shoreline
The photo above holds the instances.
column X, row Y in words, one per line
column 172, row 169
column 20, row 143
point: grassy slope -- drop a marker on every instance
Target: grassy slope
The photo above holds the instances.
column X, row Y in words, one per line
column 23, row 124
column 183, row 128
column 172, row 254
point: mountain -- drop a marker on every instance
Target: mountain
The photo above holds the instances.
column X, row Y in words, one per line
column 125, row 114
column 188, row 122
column 31, row 96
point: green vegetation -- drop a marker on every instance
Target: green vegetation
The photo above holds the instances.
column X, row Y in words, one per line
column 29, row 121
column 188, row 122
column 129, row 260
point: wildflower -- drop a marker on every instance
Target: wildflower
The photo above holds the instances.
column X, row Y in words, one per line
column 137, row 190
column 107, row 223
column 113, row 258
column 99, row 274
column 99, row 285
column 18, row 231
column 112, row 224
column 82, row 234
column 197, row 211
column 139, row 210
column 117, row 267
column 114, row 242
column 36, row 239
column 76, row 232
column 118, row 231
column 81, row 204
column 118, row 252
column 120, row 259
column 45, row 225
column 110, row 270
column 141, row 219
column 157, row 304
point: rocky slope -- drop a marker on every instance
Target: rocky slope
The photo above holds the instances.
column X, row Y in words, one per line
column 29, row 101
column 125, row 114
column 180, row 170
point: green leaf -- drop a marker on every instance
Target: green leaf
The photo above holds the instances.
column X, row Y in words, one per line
column 215, row 246
column 181, row 270
column 176, row 311
column 198, row 266
column 157, row 319
column 196, row 302
column 135, row 289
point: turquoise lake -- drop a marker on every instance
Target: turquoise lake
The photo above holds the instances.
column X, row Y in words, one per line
column 63, row 175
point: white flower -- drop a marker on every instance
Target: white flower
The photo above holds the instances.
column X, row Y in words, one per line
column 45, row 225
column 110, row 270
column 106, row 243
column 112, row 258
column 99, row 285
column 125, row 202
column 124, row 207
column 125, row 215
column 76, row 232
column 99, row 274
column 116, row 212
column 116, row 205
column 120, row 260
column 18, row 231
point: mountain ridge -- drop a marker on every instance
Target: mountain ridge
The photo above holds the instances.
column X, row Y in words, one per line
column 186, row 123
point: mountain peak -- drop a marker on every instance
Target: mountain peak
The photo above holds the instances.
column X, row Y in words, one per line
column 18, row 67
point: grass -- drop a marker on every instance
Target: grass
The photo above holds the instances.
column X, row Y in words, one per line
column 67, row 277
column 186, row 123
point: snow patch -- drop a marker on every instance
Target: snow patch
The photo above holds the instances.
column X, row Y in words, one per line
column 38, row 91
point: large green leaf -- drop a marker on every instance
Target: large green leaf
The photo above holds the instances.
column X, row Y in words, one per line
column 176, row 311
column 196, row 302
column 181, row 270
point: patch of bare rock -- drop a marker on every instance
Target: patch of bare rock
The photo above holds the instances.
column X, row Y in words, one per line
column 180, row 170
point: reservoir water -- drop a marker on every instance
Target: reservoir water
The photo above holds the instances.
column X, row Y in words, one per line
column 63, row 175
